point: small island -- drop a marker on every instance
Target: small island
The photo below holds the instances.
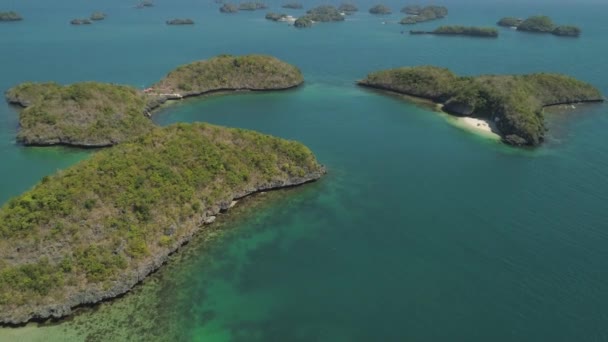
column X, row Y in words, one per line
column 94, row 114
column 380, row 10
column 81, row 22
column 540, row 24
column 348, row 8
column 423, row 14
column 509, row 22
column 513, row 104
column 180, row 22
column 229, row 8
column 10, row 16
column 276, row 16
column 293, row 5
column 252, row 6
column 487, row 32
column 97, row 16
column 95, row 230
column 303, row 22
column 83, row 114
column 412, row 9
column 319, row 14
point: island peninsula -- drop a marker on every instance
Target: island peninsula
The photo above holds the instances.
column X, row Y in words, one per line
column 93, row 231
column 94, row 114
column 514, row 104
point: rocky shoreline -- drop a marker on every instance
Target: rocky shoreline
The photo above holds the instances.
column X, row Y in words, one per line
column 132, row 278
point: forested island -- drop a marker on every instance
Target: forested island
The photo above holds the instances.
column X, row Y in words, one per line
column 293, row 5
column 83, row 114
column 348, row 8
column 81, row 22
column 276, row 16
column 380, row 10
column 421, row 14
column 319, row 14
column 97, row 115
column 10, row 16
column 513, row 103
column 229, row 8
column 509, row 22
column 252, row 6
column 93, row 231
column 540, row 24
column 487, row 32
column 180, row 22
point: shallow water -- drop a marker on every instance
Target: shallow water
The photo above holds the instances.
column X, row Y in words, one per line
column 421, row 231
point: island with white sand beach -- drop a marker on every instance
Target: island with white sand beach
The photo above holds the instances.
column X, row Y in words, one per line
column 508, row 105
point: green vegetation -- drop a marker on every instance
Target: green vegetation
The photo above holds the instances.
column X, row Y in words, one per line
column 251, row 72
column 10, row 16
column 275, row 16
column 96, row 228
column 514, row 103
column 412, row 9
column 509, row 22
column 348, row 8
column 81, row 22
column 323, row 14
column 567, row 31
column 98, row 16
column 303, row 22
column 462, row 31
column 422, row 14
column 541, row 24
column 252, row 6
column 229, row 8
column 293, row 5
column 82, row 114
column 96, row 114
column 180, row 22
column 537, row 24
column 380, row 10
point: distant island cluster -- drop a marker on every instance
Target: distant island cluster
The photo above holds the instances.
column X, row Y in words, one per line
column 540, row 24
column 415, row 14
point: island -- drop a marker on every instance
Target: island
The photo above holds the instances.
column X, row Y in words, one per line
column 229, row 8
column 81, row 22
column 303, row 22
column 293, row 5
column 86, row 114
column 380, row 10
column 509, row 22
column 276, row 16
column 487, row 32
column 180, row 22
column 319, row 14
column 348, row 8
column 252, row 6
column 94, row 114
column 95, row 230
column 98, row 16
column 423, row 14
column 412, row 9
column 513, row 104
column 10, row 16
column 540, row 24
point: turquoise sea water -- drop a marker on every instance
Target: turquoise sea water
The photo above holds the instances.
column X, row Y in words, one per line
column 420, row 232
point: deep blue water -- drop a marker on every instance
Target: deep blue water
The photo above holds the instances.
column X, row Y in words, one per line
column 421, row 231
